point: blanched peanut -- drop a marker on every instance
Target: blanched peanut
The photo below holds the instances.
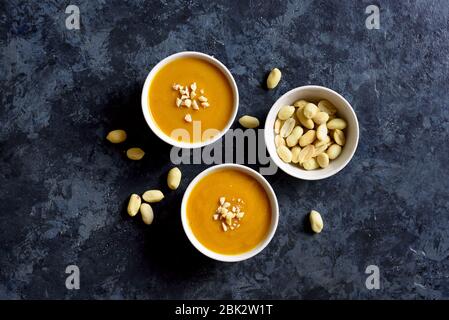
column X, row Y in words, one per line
column 273, row 78
column 174, row 178
column 300, row 103
column 306, row 153
column 321, row 132
column 327, row 107
column 135, row 153
column 308, row 123
column 320, row 118
column 336, row 123
column 153, row 196
column 116, row 136
column 322, row 148
column 310, row 164
column 323, row 160
column 249, row 122
column 310, row 110
column 334, row 151
column 134, row 204
column 319, row 143
column 293, row 138
column 279, row 141
column 339, row 137
column 295, row 154
column 307, row 138
column 147, row 213
column 286, row 112
column 314, row 141
column 287, row 127
column 277, row 126
column 316, row 222
column 285, row 154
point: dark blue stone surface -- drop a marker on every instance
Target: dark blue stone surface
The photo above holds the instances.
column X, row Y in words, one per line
column 64, row 189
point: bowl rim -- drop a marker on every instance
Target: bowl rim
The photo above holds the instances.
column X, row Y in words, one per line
column 145, row 103
column 299, row 173
column 274, row 214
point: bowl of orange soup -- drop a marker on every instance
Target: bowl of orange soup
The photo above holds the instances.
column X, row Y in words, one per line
column 229, row 212
column 189, row 99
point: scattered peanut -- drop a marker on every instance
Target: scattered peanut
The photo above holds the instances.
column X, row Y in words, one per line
column 135, row 153
column 153, row 196
column 116, row 136
column 174, row 178
column 273, row 78
column 249, row 122
column 316, row 222
column 134, row 204
column 147, row 213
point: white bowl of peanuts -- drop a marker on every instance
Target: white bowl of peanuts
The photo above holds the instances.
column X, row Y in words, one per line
column 311, row 132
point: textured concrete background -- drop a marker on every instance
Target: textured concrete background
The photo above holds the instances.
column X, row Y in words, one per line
column 63, row 188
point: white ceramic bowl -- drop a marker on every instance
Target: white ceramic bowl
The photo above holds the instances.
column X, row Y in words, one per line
column 274, row 214
column 145, row 103
column 344, row 110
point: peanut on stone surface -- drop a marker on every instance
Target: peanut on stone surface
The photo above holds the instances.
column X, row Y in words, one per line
column 273, row 78
column 116, row 136
column 174, row 178
column 153, row 196
column 134, row 204
column 135, row 153
column 316, row 222
column 147, row 213
column 249, row 122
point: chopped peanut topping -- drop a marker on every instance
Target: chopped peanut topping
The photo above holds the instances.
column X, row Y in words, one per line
column 187, row 103
column 189, row 98
column 188, row 118
column 229, row 214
